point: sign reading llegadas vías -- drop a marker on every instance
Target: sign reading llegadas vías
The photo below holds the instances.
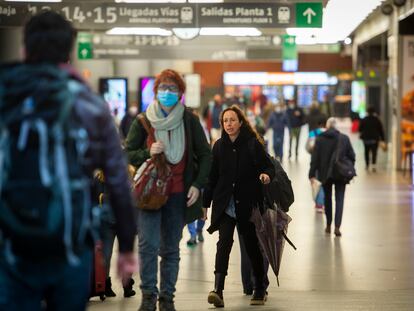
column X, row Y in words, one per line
column 103, row 15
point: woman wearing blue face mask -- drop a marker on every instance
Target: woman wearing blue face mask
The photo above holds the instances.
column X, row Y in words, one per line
column 179, row 135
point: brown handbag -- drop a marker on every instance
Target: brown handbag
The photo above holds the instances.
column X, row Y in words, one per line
column 152, row 181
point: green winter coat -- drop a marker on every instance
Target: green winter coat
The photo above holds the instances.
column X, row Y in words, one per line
column 199, row 158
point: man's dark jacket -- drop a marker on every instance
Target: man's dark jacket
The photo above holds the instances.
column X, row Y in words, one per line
column 235, row 172
column 371, row 129
column 295, row 116
column 104, row 151
column 324, row 150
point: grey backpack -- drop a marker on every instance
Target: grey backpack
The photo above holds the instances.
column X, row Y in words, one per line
column 44, row 192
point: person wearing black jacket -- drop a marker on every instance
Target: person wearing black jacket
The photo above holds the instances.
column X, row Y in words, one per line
column 372, row 132
column 321, row 169
column 234, row 188
column 315, row 117
column 296, row 117
column 29, row 279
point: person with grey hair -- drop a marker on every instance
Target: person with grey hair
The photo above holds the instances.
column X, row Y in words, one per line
column 329, row 145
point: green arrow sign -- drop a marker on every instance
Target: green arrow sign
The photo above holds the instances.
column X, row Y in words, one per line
column 289, row 50
column 85, row 46
column 309, row 14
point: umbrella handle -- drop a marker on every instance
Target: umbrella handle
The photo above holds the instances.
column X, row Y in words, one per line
column 289, row 241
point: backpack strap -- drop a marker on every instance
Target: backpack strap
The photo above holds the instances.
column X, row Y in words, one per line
column 62, row 171
column 4, row 154
column 337, row 147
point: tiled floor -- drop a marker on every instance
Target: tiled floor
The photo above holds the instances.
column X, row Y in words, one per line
column 371, row 267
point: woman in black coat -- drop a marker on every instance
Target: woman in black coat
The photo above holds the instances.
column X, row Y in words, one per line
column 240, row 165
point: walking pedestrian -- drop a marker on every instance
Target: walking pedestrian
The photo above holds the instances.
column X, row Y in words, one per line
column 372, row 132
column 323, row 156
column 181, row 138
column 234, row 188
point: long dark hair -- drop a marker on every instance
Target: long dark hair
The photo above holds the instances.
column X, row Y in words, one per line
column 244, row 122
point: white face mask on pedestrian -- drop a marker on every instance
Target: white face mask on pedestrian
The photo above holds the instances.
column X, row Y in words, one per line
column 278, row 109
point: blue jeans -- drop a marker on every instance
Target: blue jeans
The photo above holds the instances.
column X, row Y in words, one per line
column 195, row 227
column 278, row 145
column 159, row 234
column 64, row 288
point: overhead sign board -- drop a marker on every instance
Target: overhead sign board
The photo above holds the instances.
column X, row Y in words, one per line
column 98, row 15
column 289, row 48
column 246, row 15
column 105, row 15
column 309, row 14
column 84, row 42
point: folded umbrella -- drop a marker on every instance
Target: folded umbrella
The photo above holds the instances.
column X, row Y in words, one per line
column 271, row 228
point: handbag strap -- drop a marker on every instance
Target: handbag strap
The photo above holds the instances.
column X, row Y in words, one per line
column 337, row 147
column 147, row 126
column 160, row 161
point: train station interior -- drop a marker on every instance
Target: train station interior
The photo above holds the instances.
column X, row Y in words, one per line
column 340, row 57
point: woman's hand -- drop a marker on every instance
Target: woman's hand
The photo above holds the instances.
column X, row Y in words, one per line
column 313, row 180
column 157, row 148
column 264, row 178
column 192, row 195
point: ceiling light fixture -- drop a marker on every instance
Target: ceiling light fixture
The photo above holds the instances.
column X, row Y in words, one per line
column 139, row 31
column 150, row 1
column 230, row 31
column 33, row 1
column 168, row 1
column 348, row 41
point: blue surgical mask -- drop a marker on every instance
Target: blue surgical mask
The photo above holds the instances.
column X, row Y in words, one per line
column 167, row 99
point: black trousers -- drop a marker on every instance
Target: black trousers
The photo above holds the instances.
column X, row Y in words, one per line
column 339, row 202
column 371, row 148
column 247, row 274
column 225, row 243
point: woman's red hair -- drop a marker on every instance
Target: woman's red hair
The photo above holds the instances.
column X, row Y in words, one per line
column 169, row 75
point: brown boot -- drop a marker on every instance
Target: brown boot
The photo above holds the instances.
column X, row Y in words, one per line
column 215, row 297
column 328, row 229
column 337, row 231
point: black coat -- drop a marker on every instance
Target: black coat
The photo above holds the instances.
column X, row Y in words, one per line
column 295, row 116
column 322, row 153
column 371, row 129
column 235, row 172
column 314, row 118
